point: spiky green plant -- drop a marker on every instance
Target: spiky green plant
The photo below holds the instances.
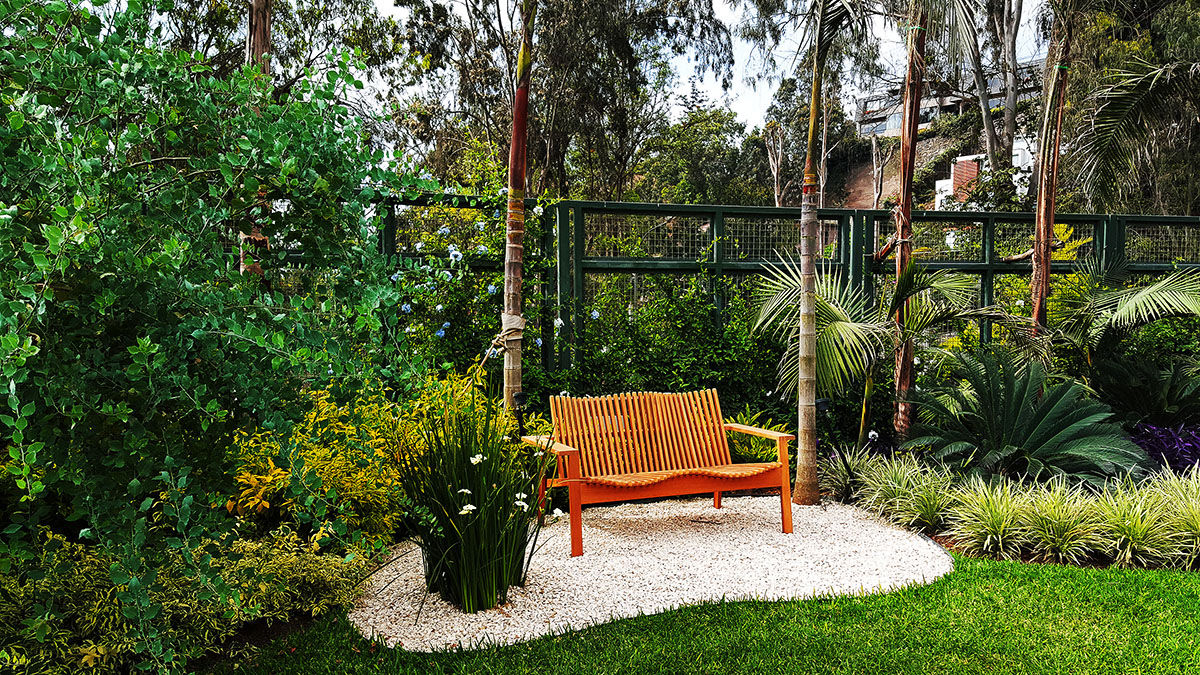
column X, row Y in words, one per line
column 1059, row 523
column 747, row 448
column 1016, row 422
column 888, row 481
column 927, row 506
column 1135, row 527
column 1181, row 493
column 841, row 472
column 986, row 518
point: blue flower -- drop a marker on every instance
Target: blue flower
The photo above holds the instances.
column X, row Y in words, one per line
column 448, row 273
column 441, row 332
column 406, row 308
column 443, row 230
column 491, row 289
column 595, row 314
column 455, row 256
column 446, row 325
column 395, row 276
column 538, row 341
column 419, row 245
column 481, row 249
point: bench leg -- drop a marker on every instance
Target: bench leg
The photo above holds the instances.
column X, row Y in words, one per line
column 716, row 500
column 576, row 521
column 785, row 501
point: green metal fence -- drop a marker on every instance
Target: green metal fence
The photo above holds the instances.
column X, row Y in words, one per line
column 584, row 241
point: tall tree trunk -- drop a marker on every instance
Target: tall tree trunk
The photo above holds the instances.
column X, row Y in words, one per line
column 258, row 39
column 990, row 137
column 1049, row 143
column 1011, row 24
column 914, row 86
column 806, row 490
column 512, row 323
column 258, row 45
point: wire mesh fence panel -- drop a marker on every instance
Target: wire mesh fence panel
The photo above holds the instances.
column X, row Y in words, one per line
column 1013, row 239
column 759, row 237
column 948, row 241
column 670, row 236
column 1161, row 242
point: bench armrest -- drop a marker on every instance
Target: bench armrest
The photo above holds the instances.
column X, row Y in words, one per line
column 755, row 431
column 572, row 467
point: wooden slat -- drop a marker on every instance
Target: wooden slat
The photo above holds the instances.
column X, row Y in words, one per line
column 718, row 421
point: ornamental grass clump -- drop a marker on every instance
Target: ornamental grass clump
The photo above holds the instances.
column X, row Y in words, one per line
column 841, row 473
column 927, row 506
column 1135, row 527
column 986, row 518
column 1059, row 523
column 888, row 482
column 472, row 499
column 1182, row 495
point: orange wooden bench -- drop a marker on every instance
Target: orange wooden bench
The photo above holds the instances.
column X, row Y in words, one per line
column 644, row 445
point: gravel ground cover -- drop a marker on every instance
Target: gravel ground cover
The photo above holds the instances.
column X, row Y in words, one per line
column 647, row 558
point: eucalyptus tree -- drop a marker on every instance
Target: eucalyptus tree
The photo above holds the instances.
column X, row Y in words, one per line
column 952, row 25
column 826, row 21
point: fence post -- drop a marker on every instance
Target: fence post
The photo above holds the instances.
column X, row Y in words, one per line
column 854, row 226
column 549, row 290
column 1112, row 246
column 577, row 269
column 565, row 297
column 718, row 258
column 387, row 236
column 987, row 280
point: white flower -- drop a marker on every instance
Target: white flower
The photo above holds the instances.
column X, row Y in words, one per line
column 521, row 495
column 523, row 505
column 558, row 512
column 477, row 459
column 873, row 435
column 464, row 491
column 1020, row 303
column 467, row 508
column 419, row 245
column 558, row 323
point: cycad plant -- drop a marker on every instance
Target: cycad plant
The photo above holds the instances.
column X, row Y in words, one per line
column 853, row 334
column 1013, row 420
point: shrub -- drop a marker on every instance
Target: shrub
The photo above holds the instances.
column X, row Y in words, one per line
column 472, row 497
column 68, row 618
column 1181, row 492
column 1142, row 392
column 1059, row 523
column 841, row 472
column 888, row 481
column 986, row 517
column 747, row 448
column 927, row 507
column 906, row 491
column 1135, row 529
column 1013, row 421
column 1175, row 447
column 336, row 462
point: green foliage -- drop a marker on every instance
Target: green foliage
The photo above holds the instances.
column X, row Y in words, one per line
column 841, row 472
column 986, row 518
column 68, row 617
column 472, row 497
column 1134, row 525
column 1144, row 392
column 131, row 345
column 747, row 448
column 1013, row 421
column 1059, row 523
column 906, row 491
column 697, row 161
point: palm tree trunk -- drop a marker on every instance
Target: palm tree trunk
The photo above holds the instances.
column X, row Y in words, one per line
column 864, row 417
column 512, row 324
column 806, row 489
column 1049, row 143
column 914, row 86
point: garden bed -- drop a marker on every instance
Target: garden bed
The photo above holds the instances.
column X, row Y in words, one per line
column 650, row 558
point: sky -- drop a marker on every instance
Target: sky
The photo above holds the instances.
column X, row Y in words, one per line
column 750, row 94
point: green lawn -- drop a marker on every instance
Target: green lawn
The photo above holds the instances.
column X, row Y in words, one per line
column 985, row 617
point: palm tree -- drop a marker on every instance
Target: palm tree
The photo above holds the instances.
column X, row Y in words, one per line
column 1058, row 60
column 855, row 335
column 1142, row 97
column 829, row 21
column 1096, row 307
column 951, row 23
column 512, row 324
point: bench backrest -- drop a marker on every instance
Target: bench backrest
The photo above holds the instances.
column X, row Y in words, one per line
column 645, row 431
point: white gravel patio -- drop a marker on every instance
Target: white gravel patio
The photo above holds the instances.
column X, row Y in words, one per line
column 647, row 558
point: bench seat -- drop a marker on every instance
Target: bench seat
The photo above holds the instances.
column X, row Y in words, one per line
column 648, row 444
